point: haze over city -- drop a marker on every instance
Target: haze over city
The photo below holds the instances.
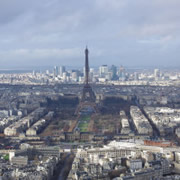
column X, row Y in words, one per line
column 130, row 33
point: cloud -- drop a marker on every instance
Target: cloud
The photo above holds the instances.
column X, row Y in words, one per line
column 28, row 54
column 117, row 31
column 162, row 40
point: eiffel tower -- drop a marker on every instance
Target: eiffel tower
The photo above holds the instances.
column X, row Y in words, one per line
column 88, row 98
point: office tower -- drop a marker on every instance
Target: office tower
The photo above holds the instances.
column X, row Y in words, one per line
column 103, row 70
column 75, row 76
column 91, row 74
column 55, row 71
column 62, row 69
column 136, row 76
column 156, row 74
column 64, row 76
column 114, row 72
column 84, row 72
column 47, row 72
column 121, row 73
column 34, row 73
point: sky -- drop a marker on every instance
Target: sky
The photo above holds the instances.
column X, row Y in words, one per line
column 134, row 33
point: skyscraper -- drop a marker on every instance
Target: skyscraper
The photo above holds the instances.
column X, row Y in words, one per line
column 62, row 69
column 156, row 74
column 114, row 72
column 55, row 71
column 122, row 74
column 103, row 70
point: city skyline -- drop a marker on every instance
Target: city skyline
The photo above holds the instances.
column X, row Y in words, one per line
column 44, row 34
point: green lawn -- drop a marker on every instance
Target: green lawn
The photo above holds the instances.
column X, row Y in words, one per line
column 85, row 118
column 6, row 157
column 83, row 125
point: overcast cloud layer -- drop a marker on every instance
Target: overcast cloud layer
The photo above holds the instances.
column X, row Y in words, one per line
column 121, row 32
